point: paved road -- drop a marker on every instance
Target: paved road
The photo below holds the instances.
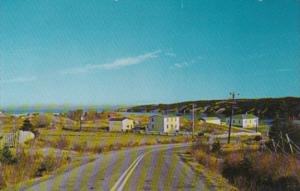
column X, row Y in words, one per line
column 144, row 168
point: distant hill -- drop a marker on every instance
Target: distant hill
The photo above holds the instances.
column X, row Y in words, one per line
column 265, row 107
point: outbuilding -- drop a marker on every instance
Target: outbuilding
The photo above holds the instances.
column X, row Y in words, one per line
column 121, row 124
column 243, row 120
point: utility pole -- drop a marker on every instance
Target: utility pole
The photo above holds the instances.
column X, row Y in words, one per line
column 193, row 118
column 231, row 115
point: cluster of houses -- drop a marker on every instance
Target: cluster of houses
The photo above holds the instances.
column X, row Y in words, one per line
column 171, row 123
column 159, row 123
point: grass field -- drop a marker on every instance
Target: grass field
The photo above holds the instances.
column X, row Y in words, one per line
column 84, row 140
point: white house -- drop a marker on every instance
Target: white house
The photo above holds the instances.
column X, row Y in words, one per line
column 121, row 124
column 164, row 123
column 212, row 120
column 12, row 139
column 243, row 120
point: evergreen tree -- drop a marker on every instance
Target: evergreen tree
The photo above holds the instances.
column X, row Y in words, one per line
column 27, row 126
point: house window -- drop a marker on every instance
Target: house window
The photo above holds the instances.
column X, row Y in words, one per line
column 152, row 126
column 152, row 119
column 167, row 126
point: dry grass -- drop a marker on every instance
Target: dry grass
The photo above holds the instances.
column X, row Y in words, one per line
column 209, row 161
column 100, row 141
column 30, row 165
column 262, row 171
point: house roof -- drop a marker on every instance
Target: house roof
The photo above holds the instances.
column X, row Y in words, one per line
column 245, row 116
column 118, row 119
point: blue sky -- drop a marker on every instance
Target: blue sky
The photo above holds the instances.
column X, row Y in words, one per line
column 136, row 52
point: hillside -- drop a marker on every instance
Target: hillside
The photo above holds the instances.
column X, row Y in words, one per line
column 265, row 107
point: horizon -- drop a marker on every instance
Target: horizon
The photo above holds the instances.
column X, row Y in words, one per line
column 137, row 53
column 118, row 106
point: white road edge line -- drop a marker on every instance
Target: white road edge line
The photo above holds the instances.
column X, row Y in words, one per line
column 126, row 175
column 129, row 174
column 133, row 165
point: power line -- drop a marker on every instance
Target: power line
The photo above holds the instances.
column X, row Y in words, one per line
column 233, row 94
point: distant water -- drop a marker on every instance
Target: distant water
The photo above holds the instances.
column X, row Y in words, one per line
column 26, row 110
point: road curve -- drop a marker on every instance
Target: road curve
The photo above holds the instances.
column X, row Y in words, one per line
column 143, row 168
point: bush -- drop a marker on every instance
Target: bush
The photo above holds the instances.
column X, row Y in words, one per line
column 79, row 147
column 216, row 147
column 262, row 171
column 62, row 143
column 209, row 161
column 50, row 163
column 6, row 156
column 242, row 168
column 257, row 138
column 290, row 183
column 97, row 149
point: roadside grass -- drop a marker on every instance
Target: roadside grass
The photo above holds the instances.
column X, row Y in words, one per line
column 262, row 171
column 246, row 166
column 30, row 164
column 207, row 166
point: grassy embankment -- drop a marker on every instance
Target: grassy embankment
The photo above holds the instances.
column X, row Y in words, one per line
column 246, row 167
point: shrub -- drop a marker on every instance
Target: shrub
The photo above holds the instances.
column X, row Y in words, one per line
column 216, row 147
column 96, row 149
column 79, row 147
column 6, row 156
column 257, row 138
column 262, row 171
column 50, row 163
column 235, row 169
column 209, row 161
column 290, row 183
column 62, row 143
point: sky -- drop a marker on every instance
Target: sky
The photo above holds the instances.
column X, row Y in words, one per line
column 137, row 52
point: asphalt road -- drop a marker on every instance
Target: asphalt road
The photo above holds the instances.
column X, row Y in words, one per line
column 145, row 168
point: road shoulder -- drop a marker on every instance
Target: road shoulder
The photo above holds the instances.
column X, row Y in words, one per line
column 213, row 180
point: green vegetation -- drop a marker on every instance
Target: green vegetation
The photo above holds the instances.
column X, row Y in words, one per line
column 6, row 156
column 249, row 167
column 262, row 171
column 264, row 108
column 28, row 164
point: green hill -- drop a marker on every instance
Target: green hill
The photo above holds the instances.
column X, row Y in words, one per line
column 264, row 108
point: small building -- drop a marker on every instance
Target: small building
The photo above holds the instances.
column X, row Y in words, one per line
column 13, row 138
column 211, row 120
column 164, row 123
column 243, row 120
column 121, row 124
